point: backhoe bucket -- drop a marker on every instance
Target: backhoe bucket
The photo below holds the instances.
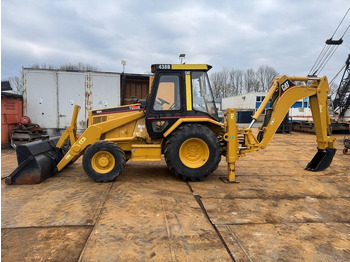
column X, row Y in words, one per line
column 321, row 160
column 37, row 161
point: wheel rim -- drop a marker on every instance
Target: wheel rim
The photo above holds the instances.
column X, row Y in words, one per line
column 194, row 153
column 103, row 162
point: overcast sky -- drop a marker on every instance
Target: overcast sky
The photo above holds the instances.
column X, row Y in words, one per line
column 287, row 35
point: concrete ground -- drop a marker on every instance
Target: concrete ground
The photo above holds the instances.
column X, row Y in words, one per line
column 277, row 212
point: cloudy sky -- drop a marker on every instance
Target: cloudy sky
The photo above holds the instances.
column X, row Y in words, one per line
column 285, row 34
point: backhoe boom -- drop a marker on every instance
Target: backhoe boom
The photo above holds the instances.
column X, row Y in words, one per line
column 283, row 94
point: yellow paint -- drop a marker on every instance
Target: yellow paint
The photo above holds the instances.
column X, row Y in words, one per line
column 146, row 152
column 151, row 79
column 103, row 162
column 70, row 132
column 193, row 120
column 189, row 67
column 231, row 137
column 82, row 140
column 188, row 93
column 194, row 153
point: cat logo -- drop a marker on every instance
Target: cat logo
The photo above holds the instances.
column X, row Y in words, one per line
column 286, row 84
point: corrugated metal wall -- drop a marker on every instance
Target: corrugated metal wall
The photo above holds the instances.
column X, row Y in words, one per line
column 11, row 113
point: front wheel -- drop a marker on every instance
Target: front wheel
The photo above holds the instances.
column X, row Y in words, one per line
column 192, row 152
column 103, row 161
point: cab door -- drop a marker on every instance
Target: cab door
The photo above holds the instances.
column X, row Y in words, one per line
column 165, row 106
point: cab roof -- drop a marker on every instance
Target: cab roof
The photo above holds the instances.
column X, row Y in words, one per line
column 199, row 67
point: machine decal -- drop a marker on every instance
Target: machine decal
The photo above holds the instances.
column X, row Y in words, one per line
column 164, row 66
column 136, row 134
column 286, row 84
column 141, row 127
column 134, row 107
column 82, row 140
column 116, row 109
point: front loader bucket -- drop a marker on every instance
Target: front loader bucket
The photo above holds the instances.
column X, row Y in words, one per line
column 321, row 160
column 37, row 161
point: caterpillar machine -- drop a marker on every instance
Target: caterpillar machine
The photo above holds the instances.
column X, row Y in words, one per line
column 179, row 120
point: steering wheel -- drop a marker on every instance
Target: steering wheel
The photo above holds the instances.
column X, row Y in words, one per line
column 163, row 101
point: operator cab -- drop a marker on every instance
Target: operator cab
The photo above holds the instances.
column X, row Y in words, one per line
column 178, row 91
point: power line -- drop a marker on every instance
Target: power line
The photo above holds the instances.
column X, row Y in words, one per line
column 328, row 50
column 341, row 22
column 337, row 75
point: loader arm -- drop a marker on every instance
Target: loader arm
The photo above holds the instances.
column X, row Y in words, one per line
column 282, row 95
column 71, row 132
column 93, row 134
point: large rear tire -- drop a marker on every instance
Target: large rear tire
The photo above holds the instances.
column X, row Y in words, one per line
column 103, row 161
column 192, row 152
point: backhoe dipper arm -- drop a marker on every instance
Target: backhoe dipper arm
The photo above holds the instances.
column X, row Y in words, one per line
column 284, row 93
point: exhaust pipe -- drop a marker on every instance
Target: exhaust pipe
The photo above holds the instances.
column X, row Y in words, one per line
column 37, row 161
column 322, row 160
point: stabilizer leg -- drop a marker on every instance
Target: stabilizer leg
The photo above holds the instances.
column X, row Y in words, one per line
column 231, row 138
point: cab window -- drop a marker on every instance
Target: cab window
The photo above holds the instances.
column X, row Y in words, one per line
column 203, row 99
column 168, row 93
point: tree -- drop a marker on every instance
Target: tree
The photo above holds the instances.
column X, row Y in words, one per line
column 250, row 82
column 220, row 83
column 16, row 84
column 236, row 82
column 237, row 78
column 265, row 74
column 79, row 67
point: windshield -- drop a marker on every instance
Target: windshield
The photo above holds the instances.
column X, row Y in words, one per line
column 203, row 99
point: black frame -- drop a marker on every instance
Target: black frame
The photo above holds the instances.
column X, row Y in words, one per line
column 169, row 116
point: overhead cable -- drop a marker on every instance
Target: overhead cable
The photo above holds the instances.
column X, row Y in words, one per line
column 329, row 49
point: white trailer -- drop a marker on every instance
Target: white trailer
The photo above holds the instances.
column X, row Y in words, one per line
column 50, row 95
column 299, row 111
column 247, row 102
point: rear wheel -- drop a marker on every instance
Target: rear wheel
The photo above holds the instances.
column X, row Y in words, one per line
column 103, row 161
column 192, row 152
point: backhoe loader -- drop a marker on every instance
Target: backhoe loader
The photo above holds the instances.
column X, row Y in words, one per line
column 178, row 120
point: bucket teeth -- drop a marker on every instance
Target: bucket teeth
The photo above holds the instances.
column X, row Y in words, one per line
column 322, row 159
column 37, row 161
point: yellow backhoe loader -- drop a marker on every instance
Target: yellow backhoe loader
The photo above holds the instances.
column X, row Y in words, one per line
column 179, row 120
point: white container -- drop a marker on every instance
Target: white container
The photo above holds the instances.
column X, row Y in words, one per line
column 50, row 95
